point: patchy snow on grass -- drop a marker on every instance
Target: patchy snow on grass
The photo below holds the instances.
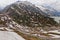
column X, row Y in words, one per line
column 55, row 31
column 54, row 36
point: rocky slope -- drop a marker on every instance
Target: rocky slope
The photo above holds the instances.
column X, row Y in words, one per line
column 7, row 24
column 27, row 14
column 29, row 21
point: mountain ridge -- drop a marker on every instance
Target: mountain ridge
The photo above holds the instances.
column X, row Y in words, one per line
column 50, row 11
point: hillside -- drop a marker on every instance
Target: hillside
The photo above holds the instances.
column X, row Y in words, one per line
column 28, row 21
column 27, row 14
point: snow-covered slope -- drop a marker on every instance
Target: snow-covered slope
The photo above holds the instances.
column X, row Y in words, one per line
column 5, row 35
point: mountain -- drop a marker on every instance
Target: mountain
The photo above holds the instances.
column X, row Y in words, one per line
column 27, row 14
column 1, row 10
column 28, row 21
column 49, row 10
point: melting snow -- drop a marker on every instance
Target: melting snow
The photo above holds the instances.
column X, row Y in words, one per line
column 55, row 36
column 55, row 31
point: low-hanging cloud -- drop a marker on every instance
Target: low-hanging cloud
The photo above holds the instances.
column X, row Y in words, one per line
column 53, row 3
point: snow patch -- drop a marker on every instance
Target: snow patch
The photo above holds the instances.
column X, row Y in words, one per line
column 5, row 35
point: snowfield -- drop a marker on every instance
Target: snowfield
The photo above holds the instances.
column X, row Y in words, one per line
column 5, row 35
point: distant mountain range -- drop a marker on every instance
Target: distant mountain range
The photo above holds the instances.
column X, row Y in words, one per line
column 49, row 11
column 0, row 9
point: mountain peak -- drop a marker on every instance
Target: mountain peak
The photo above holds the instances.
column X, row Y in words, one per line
column 24, row 2
column 24, row 13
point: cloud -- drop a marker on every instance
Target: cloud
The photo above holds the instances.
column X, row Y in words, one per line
column 6, row 2
column 53, row 3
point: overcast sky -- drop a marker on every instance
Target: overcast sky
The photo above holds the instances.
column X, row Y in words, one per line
column 38, row 2
column 53, row 3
